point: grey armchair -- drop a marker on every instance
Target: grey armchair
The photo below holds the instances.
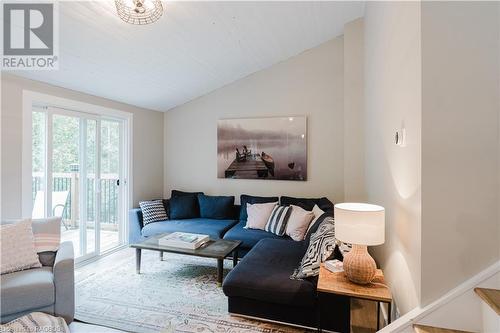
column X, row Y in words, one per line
column 49, row 289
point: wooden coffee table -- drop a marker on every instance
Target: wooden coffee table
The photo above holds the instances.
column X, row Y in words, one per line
column 215, row 248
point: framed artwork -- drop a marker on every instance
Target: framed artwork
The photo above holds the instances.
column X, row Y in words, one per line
column 262, row 148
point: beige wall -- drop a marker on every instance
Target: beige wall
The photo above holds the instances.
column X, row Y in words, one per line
column 354, row 126
column 309, row 84
column 147, row 142
column 460, row 80
column 393, row 174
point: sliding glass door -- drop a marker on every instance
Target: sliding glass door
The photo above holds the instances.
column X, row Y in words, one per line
column 77, row 163
column 111, row 173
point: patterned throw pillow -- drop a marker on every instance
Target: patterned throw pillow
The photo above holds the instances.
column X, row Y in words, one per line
column 344, row 248
column 278, row 220
column 17, row 247
column 153, row 211
column 320, row 248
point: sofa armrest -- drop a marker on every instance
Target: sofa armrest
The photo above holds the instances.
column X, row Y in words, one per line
column 134, row 225
column 64, row 282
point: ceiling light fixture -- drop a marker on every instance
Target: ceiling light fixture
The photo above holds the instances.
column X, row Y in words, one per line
column 139, row 11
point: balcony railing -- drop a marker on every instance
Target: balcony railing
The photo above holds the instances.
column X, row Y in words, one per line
column 66, row 181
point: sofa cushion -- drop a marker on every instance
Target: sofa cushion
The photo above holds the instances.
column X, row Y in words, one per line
column 24, row 290
column 214, row 228
column 264, row 275
column 166, row 205
column 249, row 237
column 244, row 199
column 192, row 202
column 216, row 207
column 184, row 207
column 308, row 203
column 177, row 193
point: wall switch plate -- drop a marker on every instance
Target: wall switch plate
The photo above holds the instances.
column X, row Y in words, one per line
column 400, row 137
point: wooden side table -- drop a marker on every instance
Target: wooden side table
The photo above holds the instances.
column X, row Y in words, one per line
column 337, row 283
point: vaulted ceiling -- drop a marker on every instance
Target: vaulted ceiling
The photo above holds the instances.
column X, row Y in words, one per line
column 195, row 48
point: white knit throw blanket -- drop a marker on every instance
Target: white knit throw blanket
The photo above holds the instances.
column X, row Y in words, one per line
column 36, row 322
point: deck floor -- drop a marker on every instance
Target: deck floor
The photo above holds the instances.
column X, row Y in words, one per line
column 108, row 240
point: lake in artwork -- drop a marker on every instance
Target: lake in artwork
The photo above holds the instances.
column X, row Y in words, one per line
column 262, row 148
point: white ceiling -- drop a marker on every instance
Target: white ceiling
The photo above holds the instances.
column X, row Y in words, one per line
column 195, row 47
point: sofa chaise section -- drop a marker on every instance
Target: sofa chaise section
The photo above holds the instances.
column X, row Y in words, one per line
column 263, row 274
column 260, row 286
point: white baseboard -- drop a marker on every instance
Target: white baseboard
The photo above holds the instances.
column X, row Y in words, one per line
column 416, row 315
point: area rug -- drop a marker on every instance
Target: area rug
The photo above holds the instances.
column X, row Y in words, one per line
column 179, row 294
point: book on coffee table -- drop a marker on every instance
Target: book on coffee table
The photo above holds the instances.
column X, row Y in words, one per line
column 183, row 240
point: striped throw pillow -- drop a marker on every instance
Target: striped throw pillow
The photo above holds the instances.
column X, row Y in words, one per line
column 47, row 234
column 278, row 220
column 153, row 211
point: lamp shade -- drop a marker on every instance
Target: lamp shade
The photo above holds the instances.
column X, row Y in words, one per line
column 360, row 223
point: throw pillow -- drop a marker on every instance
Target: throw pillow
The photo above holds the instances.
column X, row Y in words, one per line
column 320, row 248
column 36, row 322
column 317, row 214
column 177, row 193
column 308, row 203
column 153, row 211
column 192, row 205
column 244, row 199
column 17, row 247
column 313, row 227
column 258, row 214
column 298, row 223
column 47, row 233
column 184, row 207
column 216, row 207
column 278, row 220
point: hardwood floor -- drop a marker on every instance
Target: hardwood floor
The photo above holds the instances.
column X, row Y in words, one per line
column 491, row 297
column 363, row 313
column 430, row 329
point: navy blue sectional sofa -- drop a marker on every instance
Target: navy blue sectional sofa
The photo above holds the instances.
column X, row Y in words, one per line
column 260, row 285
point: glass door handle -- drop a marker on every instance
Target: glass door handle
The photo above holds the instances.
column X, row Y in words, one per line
column 117, row 182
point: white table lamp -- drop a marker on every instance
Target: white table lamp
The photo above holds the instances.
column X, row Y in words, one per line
column 361, row 225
